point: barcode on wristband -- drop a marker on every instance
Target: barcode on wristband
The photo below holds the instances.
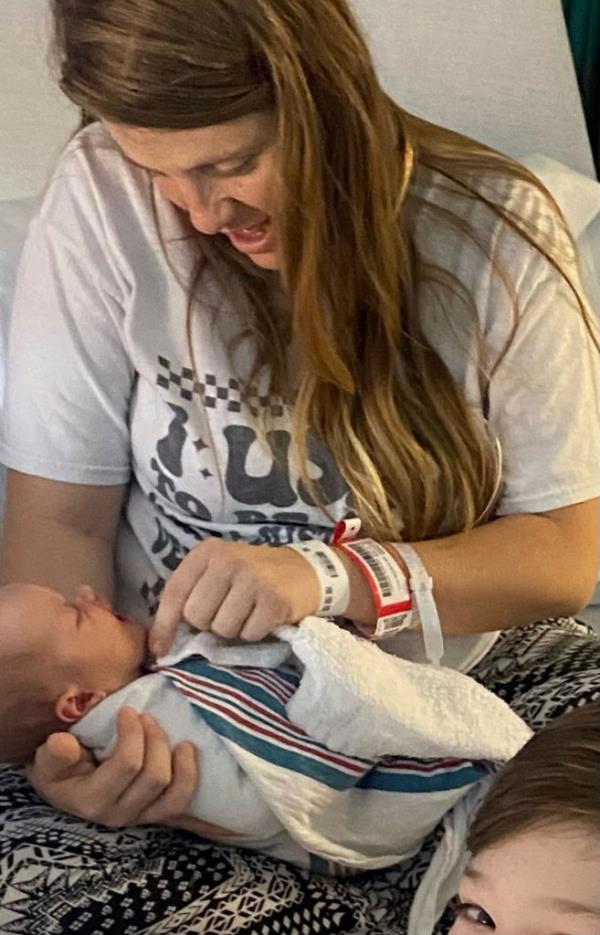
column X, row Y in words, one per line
column 376, row 567
column 327, row 565
column 331, row 572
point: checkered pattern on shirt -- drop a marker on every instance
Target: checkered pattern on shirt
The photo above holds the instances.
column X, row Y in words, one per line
column 212, row 393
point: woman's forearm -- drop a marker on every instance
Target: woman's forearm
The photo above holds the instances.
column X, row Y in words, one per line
column 511, row 572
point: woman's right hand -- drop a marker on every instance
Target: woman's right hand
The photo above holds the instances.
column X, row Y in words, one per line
column 143, row 781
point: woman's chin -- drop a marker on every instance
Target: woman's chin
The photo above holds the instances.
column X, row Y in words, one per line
column 265, row 260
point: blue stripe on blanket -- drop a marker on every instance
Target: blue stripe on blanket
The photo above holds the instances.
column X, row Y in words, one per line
column 463, row 774
column 247, row 706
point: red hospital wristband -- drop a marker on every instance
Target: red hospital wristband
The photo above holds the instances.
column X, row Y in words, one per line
column 387, row 582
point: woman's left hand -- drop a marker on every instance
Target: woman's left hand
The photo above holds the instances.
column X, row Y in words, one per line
column 235, row 590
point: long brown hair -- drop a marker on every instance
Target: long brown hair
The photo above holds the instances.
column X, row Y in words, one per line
column 554, row 780
column 371, row 386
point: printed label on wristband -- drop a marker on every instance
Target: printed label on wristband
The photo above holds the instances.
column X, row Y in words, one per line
column 388, row 585
column 332, row 575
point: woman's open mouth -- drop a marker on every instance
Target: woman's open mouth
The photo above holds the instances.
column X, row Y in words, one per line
column 253, row 240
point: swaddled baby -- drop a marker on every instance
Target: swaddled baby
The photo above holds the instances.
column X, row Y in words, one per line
column 65, row 665
column 319, row 805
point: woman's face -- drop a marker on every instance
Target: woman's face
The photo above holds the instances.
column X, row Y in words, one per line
column 224, row 177
column 544, row 882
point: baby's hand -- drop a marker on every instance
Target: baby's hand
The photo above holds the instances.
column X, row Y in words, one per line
column 235, row 590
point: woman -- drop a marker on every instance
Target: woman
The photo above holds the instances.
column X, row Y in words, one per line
column 259, row 297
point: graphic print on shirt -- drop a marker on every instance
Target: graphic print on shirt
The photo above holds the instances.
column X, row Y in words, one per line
column 265, row 504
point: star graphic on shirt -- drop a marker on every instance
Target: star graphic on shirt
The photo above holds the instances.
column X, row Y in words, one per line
column 200, row 444
column 206, row 473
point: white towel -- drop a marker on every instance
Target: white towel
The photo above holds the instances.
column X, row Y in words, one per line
column 372, row 704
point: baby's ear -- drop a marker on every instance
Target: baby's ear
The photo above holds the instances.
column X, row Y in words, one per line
column 72, row 705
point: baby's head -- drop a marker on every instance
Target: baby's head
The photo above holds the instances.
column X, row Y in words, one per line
column 535, row 842
column 58, row 659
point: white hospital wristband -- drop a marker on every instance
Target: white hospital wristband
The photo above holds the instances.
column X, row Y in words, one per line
column 331, row 572
column 421, row 586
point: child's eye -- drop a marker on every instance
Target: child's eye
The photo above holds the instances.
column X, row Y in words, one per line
column 475, row 914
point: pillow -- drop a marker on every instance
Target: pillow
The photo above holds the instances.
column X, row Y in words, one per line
column 578, row 197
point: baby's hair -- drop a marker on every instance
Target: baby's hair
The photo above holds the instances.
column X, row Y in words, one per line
column 26, row 710
column 554, row 780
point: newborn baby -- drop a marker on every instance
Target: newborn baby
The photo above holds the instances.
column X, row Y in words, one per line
column 59, row 660
column 325, row 802
column 63, row 660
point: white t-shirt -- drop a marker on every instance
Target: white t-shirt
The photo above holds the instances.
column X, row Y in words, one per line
column 101, row 388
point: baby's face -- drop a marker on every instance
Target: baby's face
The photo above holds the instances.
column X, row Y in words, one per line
column 83, row 639
column 543, row 882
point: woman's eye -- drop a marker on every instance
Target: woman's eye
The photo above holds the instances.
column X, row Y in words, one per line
column 244, row 168
column 248, row 166
column 475, row 914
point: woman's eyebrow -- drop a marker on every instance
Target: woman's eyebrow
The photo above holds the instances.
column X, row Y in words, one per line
column 205, row 166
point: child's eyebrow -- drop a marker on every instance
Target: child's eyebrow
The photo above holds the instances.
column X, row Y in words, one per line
column 568, row 905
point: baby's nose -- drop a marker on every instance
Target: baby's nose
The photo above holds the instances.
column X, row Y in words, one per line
column 86, row 594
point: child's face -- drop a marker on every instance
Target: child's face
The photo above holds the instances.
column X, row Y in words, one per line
column 543, row 882
column 81, row 642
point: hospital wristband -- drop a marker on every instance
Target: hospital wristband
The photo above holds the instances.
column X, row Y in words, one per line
column 332, row 574
column 426, row 612
column 388, row 585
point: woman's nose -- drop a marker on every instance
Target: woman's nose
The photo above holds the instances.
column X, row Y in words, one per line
column 203, row 205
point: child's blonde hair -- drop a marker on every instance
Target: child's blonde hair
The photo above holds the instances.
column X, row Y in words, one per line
column 554, row 780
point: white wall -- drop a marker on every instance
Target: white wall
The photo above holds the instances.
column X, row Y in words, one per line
column 499, row 70
column 35, row 118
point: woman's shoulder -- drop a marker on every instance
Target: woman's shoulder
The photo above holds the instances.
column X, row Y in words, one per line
column 503, row 210
column 92, row 151
column 101, row 209
column 487, row 243
column 93, row 183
